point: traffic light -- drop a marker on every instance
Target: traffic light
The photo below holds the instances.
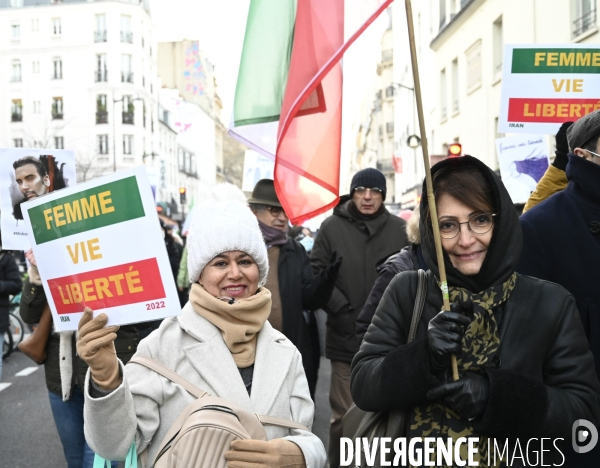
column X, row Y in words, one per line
column 182, row 198
column 454, row 150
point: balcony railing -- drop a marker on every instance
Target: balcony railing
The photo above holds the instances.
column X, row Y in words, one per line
column 389, row 127
column 584, row 22
column 101, row 76
column 128, row 118
column 127, row 37
column 100, row 36
column 101, row 117
column 15, row 79
column 16, row 117
column 126, row 77
column 57, row 115
column 385, row 165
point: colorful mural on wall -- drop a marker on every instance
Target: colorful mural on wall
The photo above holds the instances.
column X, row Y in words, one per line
column 194, row 76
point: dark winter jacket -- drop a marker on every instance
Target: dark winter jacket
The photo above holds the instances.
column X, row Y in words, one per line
column 361, row 244
column 10, row 283
column 300, row 290
column 33, row 301
column 561, row 243
column 405, row 260
column 541, row 380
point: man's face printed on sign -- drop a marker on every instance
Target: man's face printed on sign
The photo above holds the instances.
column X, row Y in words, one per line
column 30, row 182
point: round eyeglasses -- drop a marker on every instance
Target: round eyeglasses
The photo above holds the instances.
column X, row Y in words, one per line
column 478, row 224
column 275, row 210
column 374, row 190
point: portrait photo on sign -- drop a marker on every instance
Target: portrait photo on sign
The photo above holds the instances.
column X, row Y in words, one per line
column 26, row 174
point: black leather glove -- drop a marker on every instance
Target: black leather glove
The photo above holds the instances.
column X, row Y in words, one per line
column 445, row 333
column 333, row 267
column 562, row 147
column 467, row 396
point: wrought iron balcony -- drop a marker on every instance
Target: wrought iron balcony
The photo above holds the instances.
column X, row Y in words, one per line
column 128, row 118
column 584, row 22
column 127, row 37
column 101, row 76
column 100, row 36
column 126, row 77
column 101, row 117
column 16, row 117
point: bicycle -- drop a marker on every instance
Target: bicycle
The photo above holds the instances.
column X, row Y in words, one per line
column 16, row 328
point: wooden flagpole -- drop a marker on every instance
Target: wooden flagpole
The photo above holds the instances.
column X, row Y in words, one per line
column 424, row 147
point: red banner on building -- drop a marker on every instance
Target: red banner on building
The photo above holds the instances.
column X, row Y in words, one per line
column 121, row 285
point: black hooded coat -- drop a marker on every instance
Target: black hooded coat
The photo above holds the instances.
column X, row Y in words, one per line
column 542, row 378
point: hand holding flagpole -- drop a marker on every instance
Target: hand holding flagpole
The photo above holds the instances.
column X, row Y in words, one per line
column 424, row 147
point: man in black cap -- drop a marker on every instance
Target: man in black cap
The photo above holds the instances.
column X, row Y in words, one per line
column 294, row 288
column 363, row 232
column 561, row 242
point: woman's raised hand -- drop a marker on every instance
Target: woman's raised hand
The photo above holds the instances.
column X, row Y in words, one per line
column 445, row 334
column 96, row 347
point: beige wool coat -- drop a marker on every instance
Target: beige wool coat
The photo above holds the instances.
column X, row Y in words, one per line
column 146, row 404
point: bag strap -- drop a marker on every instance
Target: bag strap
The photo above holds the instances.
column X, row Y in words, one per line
column 198, row 393
column 419, row 303
column 396, row 422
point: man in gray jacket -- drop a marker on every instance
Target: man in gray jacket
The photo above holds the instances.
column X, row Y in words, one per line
column 362, row 232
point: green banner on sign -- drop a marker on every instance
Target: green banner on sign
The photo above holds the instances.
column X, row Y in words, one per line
column 94, row 208
column 556, row 61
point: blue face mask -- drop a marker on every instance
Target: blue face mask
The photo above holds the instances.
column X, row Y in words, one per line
column 308, row 243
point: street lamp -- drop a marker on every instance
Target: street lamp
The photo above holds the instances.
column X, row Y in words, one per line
column 115, row 129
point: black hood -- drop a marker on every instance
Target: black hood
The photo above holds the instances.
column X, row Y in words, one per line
column 504, row 251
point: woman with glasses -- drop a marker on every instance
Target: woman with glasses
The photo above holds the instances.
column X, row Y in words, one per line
column 523, row 358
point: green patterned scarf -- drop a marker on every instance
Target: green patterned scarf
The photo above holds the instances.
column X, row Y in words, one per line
column 480, row 345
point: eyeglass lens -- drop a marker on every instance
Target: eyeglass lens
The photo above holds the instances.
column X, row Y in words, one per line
column 364, row 189
column 478, row 224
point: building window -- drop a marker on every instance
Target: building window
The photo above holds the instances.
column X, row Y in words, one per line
column 59, row 143
column 128, row 110
column 35, row 67
column 16, row 71
column 35, row 24
column 498, row 51
column 15, row 30
column 584, row 16
column 18, row 142
column 442, row 14
column 473, row 56
column 443, row 108
column 56, row 27
column 101, row 72
column 37, row 107
column 128, row 144
column 102, row 144
column 17, row 110
column 389, row 128
column 100, row 33
column 57, row 68
column 455, row 86
column 57, row 108
column 101, row 110
column 16, row 3
column 126, row 73
column 144, row 114
column 126, row 34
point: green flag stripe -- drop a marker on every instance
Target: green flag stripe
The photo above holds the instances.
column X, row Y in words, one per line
column 83, row 211
column 556, row 61
column 265, row 61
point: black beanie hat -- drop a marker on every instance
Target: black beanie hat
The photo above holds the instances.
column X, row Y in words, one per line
column 368, row 178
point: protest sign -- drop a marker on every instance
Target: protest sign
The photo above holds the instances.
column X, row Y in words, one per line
column 100, row 245
column 26, row 174
column 546, row 85
column 523, row 160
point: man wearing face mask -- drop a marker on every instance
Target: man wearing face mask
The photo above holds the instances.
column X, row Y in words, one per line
column 561, row 240
column 293, row 286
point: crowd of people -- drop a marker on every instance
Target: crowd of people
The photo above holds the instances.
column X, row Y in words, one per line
column 523, row 323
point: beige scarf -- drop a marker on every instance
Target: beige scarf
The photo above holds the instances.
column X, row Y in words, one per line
column 239, row 322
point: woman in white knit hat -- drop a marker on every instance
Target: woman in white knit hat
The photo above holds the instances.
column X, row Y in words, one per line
column 221, row 343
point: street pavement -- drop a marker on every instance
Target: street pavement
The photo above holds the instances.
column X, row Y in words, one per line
column 28, row 437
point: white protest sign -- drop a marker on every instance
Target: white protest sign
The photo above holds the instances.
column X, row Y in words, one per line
column 37, row 172
column 100, row 245
column 546, row 85
column 256, row 167
column 523, row 160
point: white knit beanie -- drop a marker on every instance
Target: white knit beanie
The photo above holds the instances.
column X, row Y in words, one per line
column 222, row 221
